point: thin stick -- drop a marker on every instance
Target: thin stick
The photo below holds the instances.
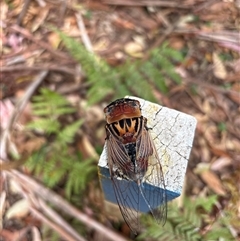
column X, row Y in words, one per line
column 59, row 202
column 85, row 38
column 218, row 36
column 210, row 86
column 18, row 110
column 146, row 3
column 57, row 228
column 59, row 220
column 42, row 44
column 23, row 12
column 205, row 5
column 59, row 68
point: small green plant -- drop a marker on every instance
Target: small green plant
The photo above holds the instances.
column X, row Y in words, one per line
column 189, row 223
column 54, row 162
column 138, row 78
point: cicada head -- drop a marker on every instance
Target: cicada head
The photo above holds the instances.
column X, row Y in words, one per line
column 122, row 109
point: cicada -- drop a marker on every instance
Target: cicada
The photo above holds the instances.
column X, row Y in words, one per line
column 134, row 164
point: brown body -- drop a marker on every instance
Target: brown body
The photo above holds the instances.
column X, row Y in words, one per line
column 129, row 147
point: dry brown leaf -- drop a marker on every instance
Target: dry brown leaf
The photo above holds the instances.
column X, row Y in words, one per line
column 221, row 163
column 19, row 209
column 176, row 43
column 7, row 235
column 236, row 95
column 70, row 27
column 219, row 150
column 40, row 18
column 219, row 68
column 134, row 49
column 33, row 144
column 123, row 23
column 2, row 206
column 14, row 187
column 87, row 149
column 31, row 13
column 101, row 45
column 36, row 234
column 210, row 178
column 3, row 12
column 204, row 149
column 54, row 39
column 213, row 182
column 6, row 108
column 14, row 235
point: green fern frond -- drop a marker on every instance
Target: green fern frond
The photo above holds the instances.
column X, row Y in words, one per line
column 171, row 53
column 155, row 75
column 49, row 126
column 186, row 224
column 50, row 103
column 54, row 162
column 162, row 59
column 133, row 77
column 48, row 96
column 219, row 233
column 176, row 227
column 49, row 234
column 79, row 175
column 207, row 203
column 67, row 134
column 98, row 72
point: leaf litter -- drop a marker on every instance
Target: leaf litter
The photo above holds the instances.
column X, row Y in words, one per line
column 210, row 90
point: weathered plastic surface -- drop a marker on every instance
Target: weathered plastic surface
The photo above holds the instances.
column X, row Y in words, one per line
column 172, row 132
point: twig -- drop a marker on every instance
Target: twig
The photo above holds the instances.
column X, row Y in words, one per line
column 210, row 86
column 227, row 36
column 146, row 3
column 59, row 202
column 28, row 94
column 59, row 68
column 19, row 58
column 63, row 9
column 44, row 45
column 205, row 5
column 23, row 12
column 85, row 38
column 18, row 110
column 2, row 204
column 221, row 36
column 41, row 3
column 60, row 221
column 54, row 226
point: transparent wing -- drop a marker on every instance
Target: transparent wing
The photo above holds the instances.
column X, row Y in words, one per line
column 130, row 195
column 126, row 191
column 127, row 194
column 117, row 155
column 154, row 176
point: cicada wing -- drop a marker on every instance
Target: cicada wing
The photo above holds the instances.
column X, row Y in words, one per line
column 117, row 155
column 155, row 177
column 126, row 191
column 127, row 194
